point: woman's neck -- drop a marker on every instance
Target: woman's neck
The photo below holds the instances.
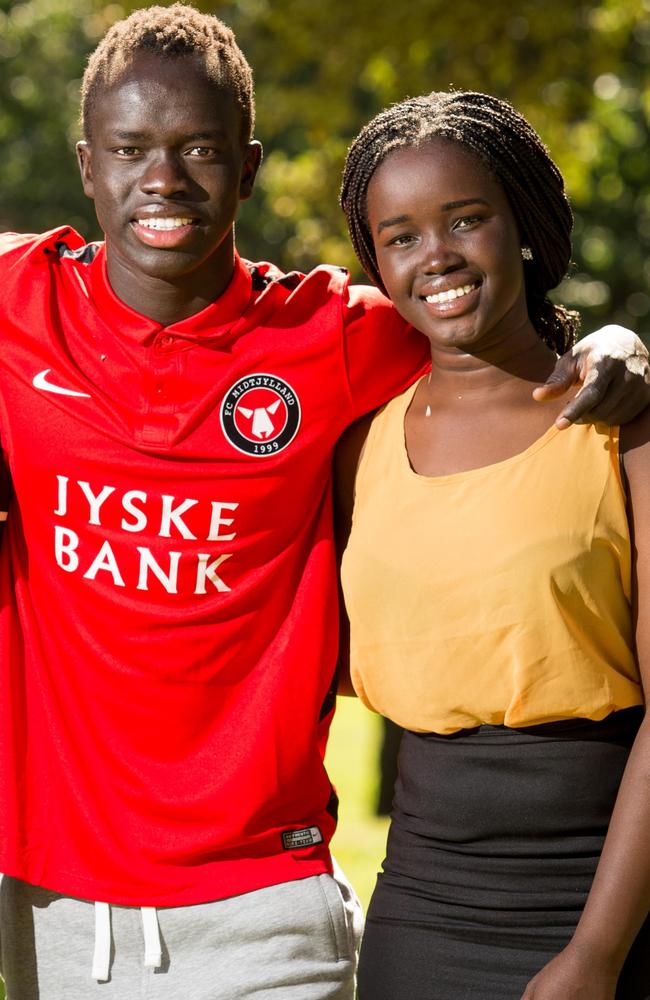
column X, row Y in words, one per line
column 519, row 360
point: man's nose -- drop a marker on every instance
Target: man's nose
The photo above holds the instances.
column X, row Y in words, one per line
column 164, row 175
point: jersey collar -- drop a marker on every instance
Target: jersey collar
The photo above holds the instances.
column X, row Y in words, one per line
column 214, row 321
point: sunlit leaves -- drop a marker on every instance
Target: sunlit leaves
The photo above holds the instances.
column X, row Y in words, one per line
column 580, row 72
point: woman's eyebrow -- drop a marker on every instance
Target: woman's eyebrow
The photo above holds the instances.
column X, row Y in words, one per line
column 397, row 220
column 448, row 206
column 462, row 204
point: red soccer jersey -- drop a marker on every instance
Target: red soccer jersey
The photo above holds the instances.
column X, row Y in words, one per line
column 169, row 610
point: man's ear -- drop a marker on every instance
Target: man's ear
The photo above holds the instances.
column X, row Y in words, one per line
column 250, row 166
column 84, row 159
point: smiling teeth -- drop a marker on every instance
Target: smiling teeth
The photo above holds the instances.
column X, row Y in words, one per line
column 158, row 223
column 453, row 293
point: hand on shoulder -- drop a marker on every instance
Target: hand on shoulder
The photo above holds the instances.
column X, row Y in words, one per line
column 613, row 366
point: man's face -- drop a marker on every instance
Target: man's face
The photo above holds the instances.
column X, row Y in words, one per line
column 167, row 169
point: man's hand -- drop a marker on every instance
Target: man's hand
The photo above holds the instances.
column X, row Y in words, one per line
column 613, row 368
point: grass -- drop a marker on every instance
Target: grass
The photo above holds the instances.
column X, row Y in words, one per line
column 352, row 757
column 352, row 764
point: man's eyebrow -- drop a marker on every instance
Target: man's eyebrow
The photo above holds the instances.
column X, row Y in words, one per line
column 127, row 136
column 124, row 136
column 214, row 133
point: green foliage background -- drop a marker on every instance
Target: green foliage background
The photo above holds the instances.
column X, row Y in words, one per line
column 580, row 72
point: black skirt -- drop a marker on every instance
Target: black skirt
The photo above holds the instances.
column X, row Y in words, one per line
column 494, row 841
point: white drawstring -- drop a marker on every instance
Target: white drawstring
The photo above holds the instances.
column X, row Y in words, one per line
column 152, row 946
column 102, row 954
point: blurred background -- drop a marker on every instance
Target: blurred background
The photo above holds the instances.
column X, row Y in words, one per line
column 579, row 71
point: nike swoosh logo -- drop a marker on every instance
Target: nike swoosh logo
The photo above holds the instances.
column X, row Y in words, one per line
column 41, row 381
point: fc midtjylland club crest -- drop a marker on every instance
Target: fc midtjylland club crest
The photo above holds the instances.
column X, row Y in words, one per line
column 260, row 414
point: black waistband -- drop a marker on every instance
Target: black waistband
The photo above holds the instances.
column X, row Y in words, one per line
column 624, row 722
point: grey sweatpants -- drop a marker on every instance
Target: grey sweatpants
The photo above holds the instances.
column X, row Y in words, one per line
column 295, row 941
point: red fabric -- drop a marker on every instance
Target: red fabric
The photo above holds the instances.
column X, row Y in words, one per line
column 168, row 626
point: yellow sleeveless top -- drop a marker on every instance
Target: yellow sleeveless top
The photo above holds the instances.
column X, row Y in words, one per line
column 500, row 595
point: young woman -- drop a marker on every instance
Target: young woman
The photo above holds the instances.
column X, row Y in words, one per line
column 494, row 578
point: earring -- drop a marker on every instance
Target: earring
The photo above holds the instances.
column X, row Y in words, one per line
column 526, row 253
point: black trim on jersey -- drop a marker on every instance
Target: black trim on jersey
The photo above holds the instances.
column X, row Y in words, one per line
column 261, row 281
column 332, row 806
column 85, row 254
column 290, row 280
column 329, row 700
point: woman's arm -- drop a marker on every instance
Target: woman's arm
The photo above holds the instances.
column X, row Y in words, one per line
column 346, row 461
column 619, row 900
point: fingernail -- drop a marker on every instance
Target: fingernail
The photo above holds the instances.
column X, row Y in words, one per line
column 562, row 423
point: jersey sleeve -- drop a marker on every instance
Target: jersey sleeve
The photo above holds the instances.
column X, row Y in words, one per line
column 14, row 241
column 383, row 353
column 18, row 246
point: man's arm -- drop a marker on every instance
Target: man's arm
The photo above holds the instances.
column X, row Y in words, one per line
column 384, row 355
column 612, row 365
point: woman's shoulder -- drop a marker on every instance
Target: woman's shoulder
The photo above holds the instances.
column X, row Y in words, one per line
column 635, row 450
column 635, row 437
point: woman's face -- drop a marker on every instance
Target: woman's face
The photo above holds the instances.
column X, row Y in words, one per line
column 447, row 245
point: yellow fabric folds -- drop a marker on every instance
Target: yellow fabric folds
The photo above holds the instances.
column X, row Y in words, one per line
column 499, row 595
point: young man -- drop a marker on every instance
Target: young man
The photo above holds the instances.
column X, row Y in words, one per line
column 168, row 632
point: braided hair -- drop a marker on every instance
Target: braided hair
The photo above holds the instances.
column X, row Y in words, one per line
column 514, row 154
column 170, row 32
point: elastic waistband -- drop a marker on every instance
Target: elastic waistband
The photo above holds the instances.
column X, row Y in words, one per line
column 619, row 724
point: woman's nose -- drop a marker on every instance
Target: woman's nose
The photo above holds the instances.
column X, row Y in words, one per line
column 439, row 256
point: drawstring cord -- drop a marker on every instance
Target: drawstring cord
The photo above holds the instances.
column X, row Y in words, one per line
column 102, row 953
column 152, row 946
column 101, row 969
